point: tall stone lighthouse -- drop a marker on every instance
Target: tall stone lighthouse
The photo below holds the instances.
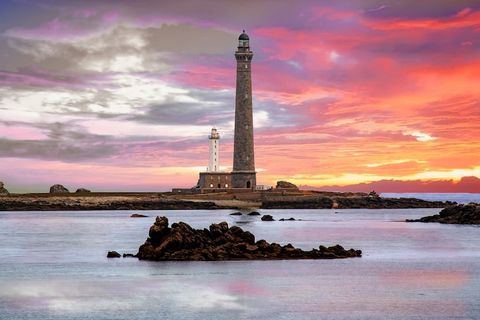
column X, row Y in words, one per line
column 243, row 174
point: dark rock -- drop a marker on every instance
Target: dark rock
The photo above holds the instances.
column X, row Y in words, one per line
column 219, row 242
column 236, row 214
column 82, row 190
column 458, row 214
column 138, row 215
column 350, row 202
column 289, row 219
column 254, row 213
column 286, row 185
column 3, row 191
column 129, row 255
column 113, row 254
column 267, row 217
column 58, row 188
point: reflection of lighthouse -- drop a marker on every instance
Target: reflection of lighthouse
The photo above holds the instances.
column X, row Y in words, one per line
column 213, row 150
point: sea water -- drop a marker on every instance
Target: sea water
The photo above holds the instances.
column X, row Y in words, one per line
column 53, row 265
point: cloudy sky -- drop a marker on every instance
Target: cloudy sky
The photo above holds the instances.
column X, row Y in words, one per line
column 121, row 95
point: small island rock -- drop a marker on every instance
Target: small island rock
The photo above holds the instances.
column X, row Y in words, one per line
column 113, row 254
column 58, row 188
column 254, row 213
column 267, row 217
column 82, row 190
column 180, row 242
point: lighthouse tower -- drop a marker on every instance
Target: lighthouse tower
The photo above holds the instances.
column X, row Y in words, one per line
column 243, row 174
column 213, row 162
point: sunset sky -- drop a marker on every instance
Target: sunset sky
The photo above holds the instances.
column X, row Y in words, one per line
column 121, row 95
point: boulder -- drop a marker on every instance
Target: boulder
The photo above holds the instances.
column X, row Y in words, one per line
column 82, row 190
column 3, row 191
column 286, row 185
column 267, row 217
column 254, row 213
column 58, row 188
column 180, row 242
column 113, row 254
column 138, row 215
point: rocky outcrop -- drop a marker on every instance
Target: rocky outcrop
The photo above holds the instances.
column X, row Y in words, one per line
column 285, row 185
column 82, row 190
column 221, row 242
column 459, row 214
column 72, row 203
column 58, row 188
column 113, row 254
column 354, row 202
column 3, row 191
column 267, row 217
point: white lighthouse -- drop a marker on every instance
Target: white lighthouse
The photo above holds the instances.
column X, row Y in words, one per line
column 214, row 138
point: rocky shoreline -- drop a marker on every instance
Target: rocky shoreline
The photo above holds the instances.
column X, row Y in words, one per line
column 77, row 203
column 167, row 201
column 458, row 214
column 353, row 202
column 180, row 242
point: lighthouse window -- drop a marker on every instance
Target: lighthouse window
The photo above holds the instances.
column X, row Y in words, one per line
column 248, row 158
column 246, row 66
column 246, row 96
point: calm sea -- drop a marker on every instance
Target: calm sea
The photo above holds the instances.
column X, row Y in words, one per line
column 53, row 266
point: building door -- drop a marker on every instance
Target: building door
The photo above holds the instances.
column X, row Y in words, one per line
column 219, row 186
column 249, row 184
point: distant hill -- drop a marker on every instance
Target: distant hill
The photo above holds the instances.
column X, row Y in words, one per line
column 464, row 185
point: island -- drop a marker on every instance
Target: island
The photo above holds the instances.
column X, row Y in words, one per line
column 181, row 242
column 457, row 214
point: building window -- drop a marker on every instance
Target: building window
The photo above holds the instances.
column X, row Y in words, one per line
column 211, row 185
column 226, row 185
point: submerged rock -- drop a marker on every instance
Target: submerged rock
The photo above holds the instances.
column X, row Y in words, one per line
column 254, row 213
column 267, row 217
column 58, row 188
column 138, row 215
column 236, row 214
column 289, row 219
column 221, row 242
column 459, row 214
column 113, row 254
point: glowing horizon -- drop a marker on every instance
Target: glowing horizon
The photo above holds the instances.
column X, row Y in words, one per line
column 122, row 97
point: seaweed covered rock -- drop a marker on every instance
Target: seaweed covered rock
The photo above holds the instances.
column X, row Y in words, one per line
column 181, row 242
column 459, row 214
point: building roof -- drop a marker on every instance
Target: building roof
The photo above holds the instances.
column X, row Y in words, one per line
column 243, row 36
